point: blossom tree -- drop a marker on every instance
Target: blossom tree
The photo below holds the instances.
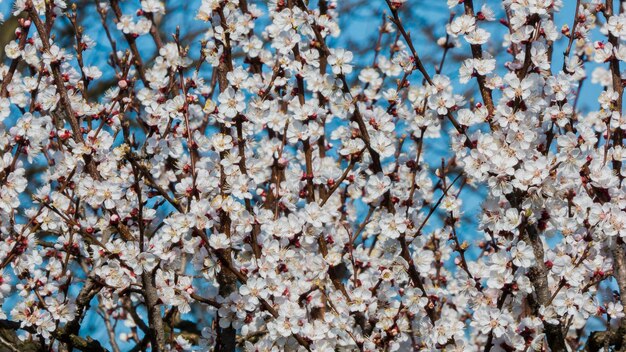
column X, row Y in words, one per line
column 259, row 189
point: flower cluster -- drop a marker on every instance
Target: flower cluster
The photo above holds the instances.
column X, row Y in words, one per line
column 266, row 192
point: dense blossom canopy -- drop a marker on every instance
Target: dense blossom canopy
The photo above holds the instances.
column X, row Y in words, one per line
column 264, row 192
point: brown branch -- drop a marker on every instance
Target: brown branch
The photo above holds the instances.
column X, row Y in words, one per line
column 571, row 37
column 82, row 344
column 538, row 276
column 477, row 54
column 156, row 328
column 407, row 38
column 138, row 62
column 15, row 62
column 599, row 340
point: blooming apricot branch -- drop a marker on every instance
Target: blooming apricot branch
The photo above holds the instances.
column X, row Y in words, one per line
column 263, row 189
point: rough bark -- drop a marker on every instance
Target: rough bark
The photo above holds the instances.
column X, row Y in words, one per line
column 538, row 276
